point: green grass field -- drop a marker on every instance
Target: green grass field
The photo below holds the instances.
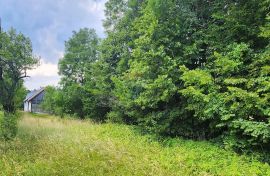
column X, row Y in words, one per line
column 53, row 146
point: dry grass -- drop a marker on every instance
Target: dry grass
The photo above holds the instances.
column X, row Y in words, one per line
column 52, row 146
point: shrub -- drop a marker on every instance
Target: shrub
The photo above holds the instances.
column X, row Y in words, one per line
column 8, row 126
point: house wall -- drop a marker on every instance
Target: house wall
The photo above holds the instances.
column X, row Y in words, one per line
column 27, row 106
column 36, row 103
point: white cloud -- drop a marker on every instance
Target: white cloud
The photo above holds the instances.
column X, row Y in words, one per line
column 95, row 7
column 45, row 69
column 45, row 74
column 39, row 81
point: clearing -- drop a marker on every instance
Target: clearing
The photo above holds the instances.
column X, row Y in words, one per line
column 51, row 146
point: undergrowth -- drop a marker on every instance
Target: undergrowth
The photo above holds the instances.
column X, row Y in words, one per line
column 53, row 146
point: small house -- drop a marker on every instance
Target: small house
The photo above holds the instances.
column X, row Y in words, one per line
column 33, row 100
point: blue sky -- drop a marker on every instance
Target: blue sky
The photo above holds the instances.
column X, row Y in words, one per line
column 49, row 23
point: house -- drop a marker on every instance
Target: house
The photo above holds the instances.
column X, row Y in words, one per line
column 33, row 100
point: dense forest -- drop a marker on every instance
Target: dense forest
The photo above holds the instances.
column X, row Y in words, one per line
column 196, row 69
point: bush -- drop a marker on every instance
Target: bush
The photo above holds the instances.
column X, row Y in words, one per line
column 8, row 126
column 115, row 117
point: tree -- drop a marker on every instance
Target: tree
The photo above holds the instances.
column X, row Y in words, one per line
column 198, row 69
column 231, row 88
column 114, row 11
column 148, row 90
column 54, row 101
column 81, row 52
column 16, row 57
column 20, row 96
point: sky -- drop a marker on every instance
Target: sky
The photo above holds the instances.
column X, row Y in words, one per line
column 49, row 23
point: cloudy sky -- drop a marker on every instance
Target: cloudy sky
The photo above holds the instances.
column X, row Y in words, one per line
column 49, row 23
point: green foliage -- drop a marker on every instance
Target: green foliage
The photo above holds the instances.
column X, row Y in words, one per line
column 193, row 68
column 80, row 50
column 16, row 58
column 20, row 96
column 115, row 117
column 8, row 126
column 114, row 12
column 196, row 69
column 83, row 92
column 54, row 101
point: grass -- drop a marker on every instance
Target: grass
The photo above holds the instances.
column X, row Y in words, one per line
column 53, row 146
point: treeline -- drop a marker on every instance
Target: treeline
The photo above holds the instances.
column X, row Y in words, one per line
column 192, row 68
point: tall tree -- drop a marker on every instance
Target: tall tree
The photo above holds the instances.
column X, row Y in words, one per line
column 16, row 57
column 81, row 51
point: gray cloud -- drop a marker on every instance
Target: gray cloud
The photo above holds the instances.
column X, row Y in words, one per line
column 49, row 23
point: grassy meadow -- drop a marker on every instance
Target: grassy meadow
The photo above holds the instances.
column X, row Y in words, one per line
column 52, row 146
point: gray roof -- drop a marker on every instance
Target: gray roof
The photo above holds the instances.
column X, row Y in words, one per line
column 33, row 94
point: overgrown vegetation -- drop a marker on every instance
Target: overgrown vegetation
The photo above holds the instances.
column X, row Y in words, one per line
column 8, row 126
column 196, row 69
column 52, row 146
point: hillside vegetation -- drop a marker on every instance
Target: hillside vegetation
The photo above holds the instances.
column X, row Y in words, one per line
column 52, row 146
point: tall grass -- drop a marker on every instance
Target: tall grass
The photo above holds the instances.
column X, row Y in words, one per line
column 52, row 146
